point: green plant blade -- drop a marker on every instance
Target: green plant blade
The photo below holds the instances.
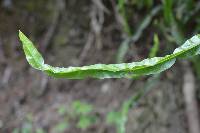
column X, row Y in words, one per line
column 32, row 55
column 124, row 70
column 155, row 47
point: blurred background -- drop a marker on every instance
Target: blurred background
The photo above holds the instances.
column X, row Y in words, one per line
column 84, row 32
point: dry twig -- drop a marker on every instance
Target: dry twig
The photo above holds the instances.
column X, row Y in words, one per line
column 97, row 20
column 6, row 75
column 87, row 46
column 52, row 28
column 96, row 24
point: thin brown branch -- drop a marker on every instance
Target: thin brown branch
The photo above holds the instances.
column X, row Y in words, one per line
column 6, row 75
column 52, row 28
column 87, row 47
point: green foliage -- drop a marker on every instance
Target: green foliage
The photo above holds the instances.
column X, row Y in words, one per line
column 116, row 119
column 125, row 70
column 143, row 3
column 16, row 130
column 81, row 108
column 186, row 9
column 40, row 130
column 62, row 110
column 27, row 128
column 176, row 15
column 168, row 11
column 78, row 111
column 85, row 121
column 138, row 33
column 61, row 127
column 197, row 65
column 119, row 118
column 82, row 111
column 33, row 56
column 122, row 50
column 155, row 47
column 122, row 11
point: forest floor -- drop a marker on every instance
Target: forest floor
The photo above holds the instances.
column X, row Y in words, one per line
column 71, row 39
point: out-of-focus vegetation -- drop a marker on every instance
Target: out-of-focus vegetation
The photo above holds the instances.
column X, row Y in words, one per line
column 168, row 17
column 78, row 112
column 174, row 22
column 159, row 25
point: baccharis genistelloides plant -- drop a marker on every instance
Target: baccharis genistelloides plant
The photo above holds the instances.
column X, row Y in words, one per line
column 124, row 70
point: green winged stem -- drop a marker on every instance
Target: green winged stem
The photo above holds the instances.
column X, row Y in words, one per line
column 124, row 70
column 33, row 57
